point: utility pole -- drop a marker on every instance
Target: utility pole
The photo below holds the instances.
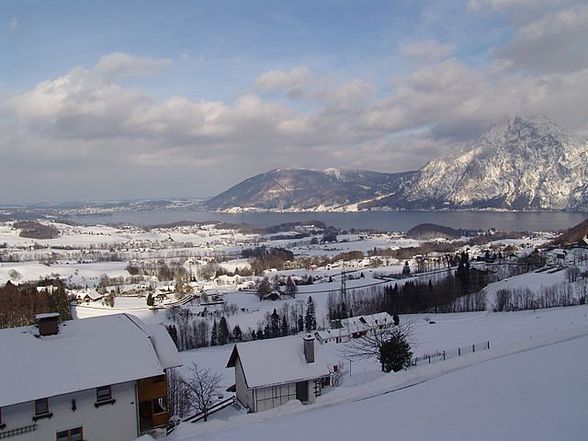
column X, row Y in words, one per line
column 344, row 290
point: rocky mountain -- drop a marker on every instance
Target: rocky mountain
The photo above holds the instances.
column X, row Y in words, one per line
column 307, row 190
column 519, row 165
column 522, row 164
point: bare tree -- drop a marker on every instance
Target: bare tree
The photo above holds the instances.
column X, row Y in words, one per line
column 338, row 375
column 291, row 288
column 178, row 396
column 203, row 386
column 374, row 337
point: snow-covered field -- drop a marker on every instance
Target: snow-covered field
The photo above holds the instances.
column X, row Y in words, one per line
column 536, row 394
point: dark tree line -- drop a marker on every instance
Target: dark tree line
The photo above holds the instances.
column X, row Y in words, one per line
column 263, row 258
column 459, row 292
column 189, row 332
column 21, row 303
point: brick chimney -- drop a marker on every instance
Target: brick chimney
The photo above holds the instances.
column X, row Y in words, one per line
column 309, row 348
column 48, row 323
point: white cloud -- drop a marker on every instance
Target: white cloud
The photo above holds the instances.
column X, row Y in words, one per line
column 427, row 50
column 555, row 42
column 86, row 124
column 14, row 25
column 122, row 64
column 292, row 82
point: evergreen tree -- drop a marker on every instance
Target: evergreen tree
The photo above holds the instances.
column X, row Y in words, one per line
column 406, row 269
column 395, row 354
column 284, row 327
column 310, row 318
column 237, row 333
column 214, row 334
column 173, row 333
column 150, row 301
column 275, row 324
column 300, row 323
column 223, row 331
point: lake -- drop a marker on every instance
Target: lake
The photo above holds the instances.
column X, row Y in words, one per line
column 378, row 220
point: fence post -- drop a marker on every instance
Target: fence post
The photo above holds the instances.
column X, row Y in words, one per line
column 488, row 344
column 459, row 352
column 443, row 355
column 429, row 359
column 473, row 348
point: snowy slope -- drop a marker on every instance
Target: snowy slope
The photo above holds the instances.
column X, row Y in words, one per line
column 531, row 395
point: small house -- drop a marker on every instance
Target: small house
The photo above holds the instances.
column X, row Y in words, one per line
column 361, row 325
column 269, row 373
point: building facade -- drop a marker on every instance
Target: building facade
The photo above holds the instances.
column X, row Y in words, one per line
column 98, row 379
column 269, row 373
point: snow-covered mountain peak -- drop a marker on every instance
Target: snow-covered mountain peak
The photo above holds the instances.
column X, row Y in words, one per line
column 519, row 164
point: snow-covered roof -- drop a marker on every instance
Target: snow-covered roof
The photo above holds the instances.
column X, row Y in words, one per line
column 86, row 354
column 277, row 361
column 366, row 322
column 47, row 315
column 331, row 334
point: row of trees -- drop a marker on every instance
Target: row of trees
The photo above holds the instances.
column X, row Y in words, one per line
column 21, row 303
column 189, row 332
column 454, row 293
column 565, row 294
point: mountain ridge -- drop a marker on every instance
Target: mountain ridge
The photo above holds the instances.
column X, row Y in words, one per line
column 520, row 164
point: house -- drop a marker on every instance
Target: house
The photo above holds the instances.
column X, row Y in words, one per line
column 98, row 379
column 269, row 373
column 354, row 327
column 362, row 324
column 88, row 295
column 340, row 335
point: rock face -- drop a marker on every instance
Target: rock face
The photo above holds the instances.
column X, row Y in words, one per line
column 521, row 164
column 302, row 189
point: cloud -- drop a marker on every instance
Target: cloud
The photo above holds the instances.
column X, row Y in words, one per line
column 93, row 127
column 427, row 50
column 122, row 64
column 555, row 42
column 14, row 25
column 292, row 83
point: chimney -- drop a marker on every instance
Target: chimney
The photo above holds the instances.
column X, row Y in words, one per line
column 309, row 348
column 48, row 323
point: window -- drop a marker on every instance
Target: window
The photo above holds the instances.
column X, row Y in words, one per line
column 42, row 406
column 42, row 409
column 104, row 393
column 104, row 396
column 76, row 434
column 159, row 406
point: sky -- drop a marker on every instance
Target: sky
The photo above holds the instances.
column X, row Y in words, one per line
column 106, row 100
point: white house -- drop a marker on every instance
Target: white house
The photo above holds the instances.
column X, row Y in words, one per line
column 354, row 327
column 362, row 324
column 269, row 373
column 96, row 379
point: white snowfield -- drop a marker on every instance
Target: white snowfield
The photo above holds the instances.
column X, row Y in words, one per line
column 528, row 389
